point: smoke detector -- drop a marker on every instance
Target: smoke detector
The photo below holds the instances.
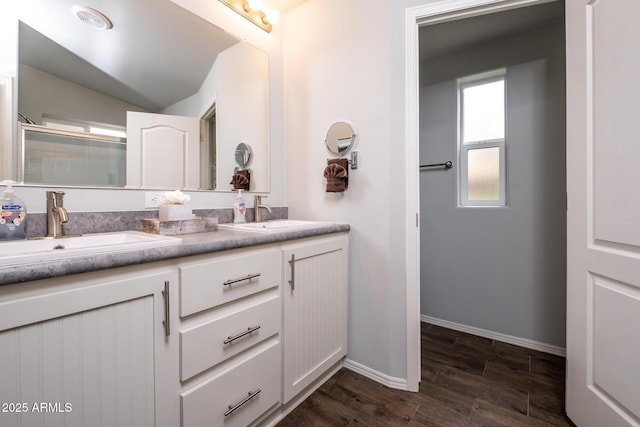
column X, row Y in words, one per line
column 92, row 17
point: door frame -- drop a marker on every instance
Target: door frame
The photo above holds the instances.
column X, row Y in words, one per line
column 416, row 17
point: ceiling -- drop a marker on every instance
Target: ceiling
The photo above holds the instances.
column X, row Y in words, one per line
column 441, row 39
column 156, row 54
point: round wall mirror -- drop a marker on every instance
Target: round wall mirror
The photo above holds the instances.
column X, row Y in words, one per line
column 340, row 138
column 243, row 155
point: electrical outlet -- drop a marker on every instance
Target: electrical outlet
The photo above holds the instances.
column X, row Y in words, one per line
column 152, row 199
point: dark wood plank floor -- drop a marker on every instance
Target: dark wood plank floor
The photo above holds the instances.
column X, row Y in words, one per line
column 466, row 381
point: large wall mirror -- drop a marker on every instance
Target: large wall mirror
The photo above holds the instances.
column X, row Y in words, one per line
column 158, row 60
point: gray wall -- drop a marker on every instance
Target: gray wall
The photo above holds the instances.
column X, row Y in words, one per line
column 499, row 269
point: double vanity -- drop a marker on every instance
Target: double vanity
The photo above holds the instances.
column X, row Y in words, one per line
column 233, row 327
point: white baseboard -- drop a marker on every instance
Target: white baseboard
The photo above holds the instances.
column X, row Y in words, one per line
column 280, row 412
column 522, row 342
column 389, row 381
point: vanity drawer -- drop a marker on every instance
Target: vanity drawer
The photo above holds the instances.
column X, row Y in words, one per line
column 223, row 279
column 210, row 343
column 207, row 403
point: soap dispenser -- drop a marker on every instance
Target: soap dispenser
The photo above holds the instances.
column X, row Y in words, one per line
column 239, row 209
column 13, row 213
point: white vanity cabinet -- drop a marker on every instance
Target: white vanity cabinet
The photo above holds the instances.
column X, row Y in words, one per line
column 259, row 326
column 221, row 339
column 315, row 309
column 88, row 350
column 230, row 351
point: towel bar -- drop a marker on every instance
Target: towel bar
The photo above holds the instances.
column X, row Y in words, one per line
column 446, row 165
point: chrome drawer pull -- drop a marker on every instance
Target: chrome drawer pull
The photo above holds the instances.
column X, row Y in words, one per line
column 250, row 396
column 241, row 279
column 241, row 334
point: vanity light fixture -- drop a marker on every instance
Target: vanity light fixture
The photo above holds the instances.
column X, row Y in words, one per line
column 262, row 19
column 92, row 17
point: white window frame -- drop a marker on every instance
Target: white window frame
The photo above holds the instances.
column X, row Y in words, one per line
column 463, row 149
column 61, row 123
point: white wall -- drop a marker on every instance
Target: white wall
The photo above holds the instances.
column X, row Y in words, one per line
column 243, row 67
column 237, row 85
column 344, row 60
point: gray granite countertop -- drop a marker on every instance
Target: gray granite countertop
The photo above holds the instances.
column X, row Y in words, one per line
column 192, row 244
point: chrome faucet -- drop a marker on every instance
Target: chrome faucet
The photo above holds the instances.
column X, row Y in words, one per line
column 257, row 204
column 56, row 214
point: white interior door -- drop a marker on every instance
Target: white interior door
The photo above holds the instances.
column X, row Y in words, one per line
column 603, row 176
column 163, row 151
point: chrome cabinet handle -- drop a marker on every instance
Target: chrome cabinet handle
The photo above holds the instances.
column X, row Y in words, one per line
column 241, row 279
column 231, row 339
column 293, row 260
column 250, row 396
column 166, row 322
column 292, row 263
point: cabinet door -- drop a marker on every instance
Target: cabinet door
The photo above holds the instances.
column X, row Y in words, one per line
column 315, row 310
column 88, row 356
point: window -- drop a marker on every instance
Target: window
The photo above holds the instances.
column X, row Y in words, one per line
column 481, row 145
column 84, row 126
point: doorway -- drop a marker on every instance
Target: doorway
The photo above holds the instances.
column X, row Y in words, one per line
column 448, row 181
column 493, row 246
column 208, row 152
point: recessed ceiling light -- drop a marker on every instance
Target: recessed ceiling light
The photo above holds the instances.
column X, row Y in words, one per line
column 92, row 17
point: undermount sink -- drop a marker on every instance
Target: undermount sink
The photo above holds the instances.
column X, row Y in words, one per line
column 26, row 251
column 271, row 226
